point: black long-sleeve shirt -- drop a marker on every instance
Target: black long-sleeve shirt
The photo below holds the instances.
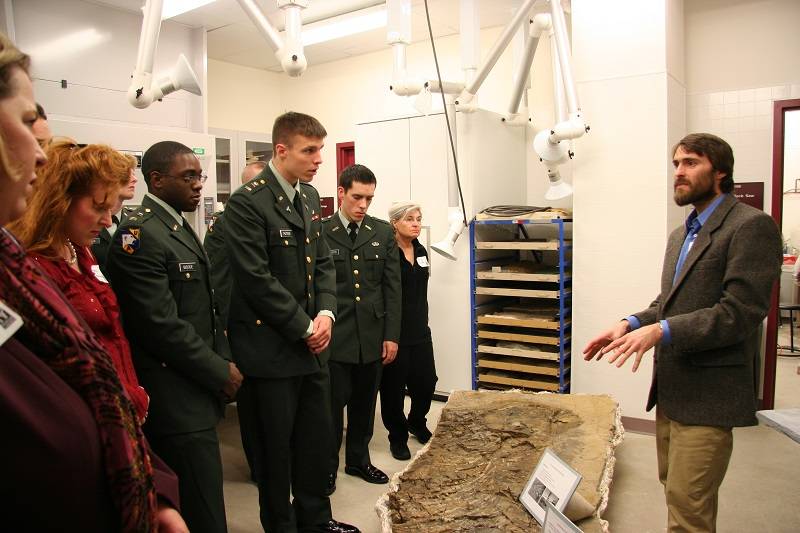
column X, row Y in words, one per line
column 414, row 326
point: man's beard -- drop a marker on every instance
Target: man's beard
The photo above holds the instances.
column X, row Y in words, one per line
column 702, row 191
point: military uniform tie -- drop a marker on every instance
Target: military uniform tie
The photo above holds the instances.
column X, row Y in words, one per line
column 353, row 227
column 298, row 205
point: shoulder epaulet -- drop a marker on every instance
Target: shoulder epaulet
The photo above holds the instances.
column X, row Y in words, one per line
column 253, row 185
column 136, row 218
column 381, row 221
column 327, row 218
column 308, row 185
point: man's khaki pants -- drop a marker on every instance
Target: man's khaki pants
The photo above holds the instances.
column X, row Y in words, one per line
column 692, row 461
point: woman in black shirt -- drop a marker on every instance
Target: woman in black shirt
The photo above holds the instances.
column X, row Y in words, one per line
column 414, row 366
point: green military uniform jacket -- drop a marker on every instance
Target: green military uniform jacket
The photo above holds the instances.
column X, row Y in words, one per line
column 283, row 276
column 221, row 281
column 160, row 274
column 367, row 287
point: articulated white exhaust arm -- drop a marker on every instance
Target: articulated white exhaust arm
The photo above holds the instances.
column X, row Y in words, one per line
column 142, row 91
column 495, row 53
column 534, row 30
column 289, row 52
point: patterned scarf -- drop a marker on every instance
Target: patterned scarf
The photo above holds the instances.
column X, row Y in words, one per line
column 55, row 333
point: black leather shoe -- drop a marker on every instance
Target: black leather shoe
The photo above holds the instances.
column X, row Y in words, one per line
column 422, row 434
column 400, row 451
column 331, row 488
column 341, row 527
column 368, row 473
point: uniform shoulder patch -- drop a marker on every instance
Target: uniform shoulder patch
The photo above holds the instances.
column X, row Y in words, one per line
column 130, row 238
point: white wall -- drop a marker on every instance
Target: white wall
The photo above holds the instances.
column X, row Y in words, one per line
column 741, row 56
column 242, row 98
column 622, row 184
column 94, row 49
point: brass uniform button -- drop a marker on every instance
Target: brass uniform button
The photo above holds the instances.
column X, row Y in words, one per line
column 188, row 275
column 308, row 260
column 164, row 365
column 358, row 298
column 355, row 258
column 355, row 272
column 309, row 295
column 358, row 286
column 286, row 243
column 258, row 322
column 309, row 277
column 308, row 241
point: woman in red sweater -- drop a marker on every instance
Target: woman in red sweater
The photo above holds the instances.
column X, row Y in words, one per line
column 72, row 201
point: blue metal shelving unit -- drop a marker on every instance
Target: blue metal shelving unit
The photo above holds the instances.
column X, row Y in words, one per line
column 564, row 292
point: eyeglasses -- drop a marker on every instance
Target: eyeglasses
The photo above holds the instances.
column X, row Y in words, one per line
column 189, row 179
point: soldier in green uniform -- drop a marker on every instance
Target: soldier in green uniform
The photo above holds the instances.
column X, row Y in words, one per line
column 160, row 274
column 214, row 243
column 368, row 319
column 283, row 303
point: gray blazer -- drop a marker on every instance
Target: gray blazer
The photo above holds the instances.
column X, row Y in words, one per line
column 706, row 375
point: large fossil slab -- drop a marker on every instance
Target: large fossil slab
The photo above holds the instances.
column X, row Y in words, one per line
column 486, row 445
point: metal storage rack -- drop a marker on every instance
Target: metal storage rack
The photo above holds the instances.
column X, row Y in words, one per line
column 521, row 282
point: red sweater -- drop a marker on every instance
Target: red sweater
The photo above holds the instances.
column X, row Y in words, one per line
column 96, row 303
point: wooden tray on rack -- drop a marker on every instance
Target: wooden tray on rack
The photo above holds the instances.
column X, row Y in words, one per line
column 516, row 364
column 518, row 337
column 500, row 377
column 518, row 352
column 519, row 319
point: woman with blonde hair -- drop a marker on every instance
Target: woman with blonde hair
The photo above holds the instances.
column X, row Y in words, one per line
column 73, row 456
column 414, row 366
column 75, row 193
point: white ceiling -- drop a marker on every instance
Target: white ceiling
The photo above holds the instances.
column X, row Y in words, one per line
column 233, row 38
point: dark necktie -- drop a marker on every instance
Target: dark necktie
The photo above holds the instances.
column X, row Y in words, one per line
column 298, row 205
column 353, row 227
column 691, row 235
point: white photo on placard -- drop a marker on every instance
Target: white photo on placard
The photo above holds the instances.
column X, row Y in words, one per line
column 556, row 522
column 553, row 482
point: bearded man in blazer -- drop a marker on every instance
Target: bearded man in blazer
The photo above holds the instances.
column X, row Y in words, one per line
column 716, row 282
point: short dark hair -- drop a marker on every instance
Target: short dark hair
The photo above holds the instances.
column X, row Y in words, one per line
column 40, row 111
column 293, row 123
column 358, row 173
column 718, row 152
column 159, row 157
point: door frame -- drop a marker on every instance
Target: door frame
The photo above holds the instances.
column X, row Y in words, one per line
column 779, row 109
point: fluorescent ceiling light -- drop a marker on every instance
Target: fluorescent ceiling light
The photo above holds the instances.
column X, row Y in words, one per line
column 343, row 26
column 173, row 8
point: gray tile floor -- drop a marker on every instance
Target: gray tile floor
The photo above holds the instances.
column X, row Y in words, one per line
column 761, row 492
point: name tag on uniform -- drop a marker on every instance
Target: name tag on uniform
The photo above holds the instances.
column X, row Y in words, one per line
column 286, row 233
column 10, row 322
column 334, row 251
column 98, row 274
column 422, row 261
column 187, row 267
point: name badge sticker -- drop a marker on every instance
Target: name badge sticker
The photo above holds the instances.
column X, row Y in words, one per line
column 10, row 322
column 99, row 274
column 286, row 233
column 334, row 251
column 423, row 261
column 187, row 267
